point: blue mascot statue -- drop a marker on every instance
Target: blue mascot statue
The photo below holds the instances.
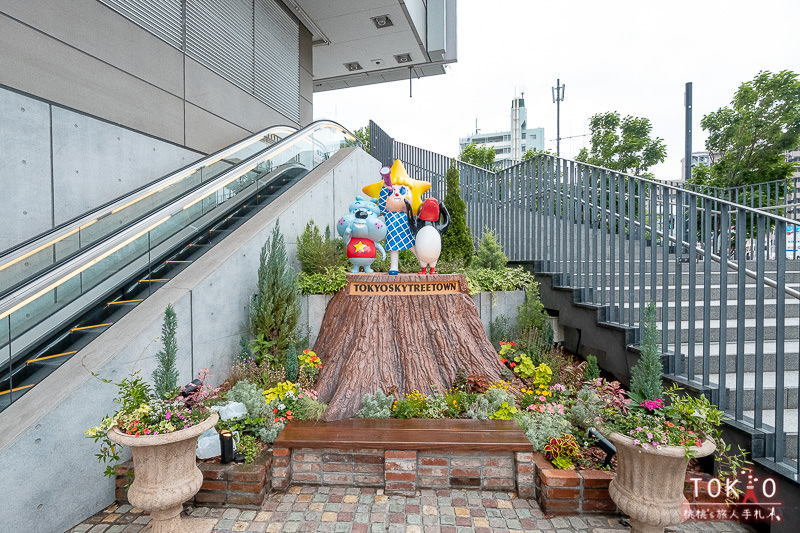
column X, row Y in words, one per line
column 362, row 229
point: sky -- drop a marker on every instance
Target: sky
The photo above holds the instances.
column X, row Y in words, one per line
column 633, row 57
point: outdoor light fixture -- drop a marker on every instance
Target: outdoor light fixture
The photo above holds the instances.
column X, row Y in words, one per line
column 191, row 387
column 603, row 443
column 226, row 446
column 354, row 66
column 403, row 58
column 382, row 21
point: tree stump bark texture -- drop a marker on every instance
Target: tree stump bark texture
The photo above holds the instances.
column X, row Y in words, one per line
column 399, row 342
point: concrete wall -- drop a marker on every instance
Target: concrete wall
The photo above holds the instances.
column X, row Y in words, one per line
column 47, row 464
column 84, row 55
column 58, row 164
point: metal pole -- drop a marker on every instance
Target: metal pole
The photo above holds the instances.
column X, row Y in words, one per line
column 687, row 164
column 558, row 97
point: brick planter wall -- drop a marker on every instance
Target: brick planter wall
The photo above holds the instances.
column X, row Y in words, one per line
column 571, row 492
column 223, row 484
column 404, row 471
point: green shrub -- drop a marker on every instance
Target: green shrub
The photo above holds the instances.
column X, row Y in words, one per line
column 541, row 427
column 251, row 395
column 376, row 406
column 275, row 308
column 507, row 279
column 435, row 406
column 410, row 405
column 531, row 315
column 307, row 408
column 500, row 330
column 490, row 253
column 249, row 447
column 646, row 373
column 329, row 282
column 165, row 376
column 316, row 253
column 457, row 240
column 478, row 409
column 292, row 363
column 592, row 370
column 245, row 353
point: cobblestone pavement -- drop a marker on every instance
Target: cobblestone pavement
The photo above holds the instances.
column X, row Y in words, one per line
column 361, row 510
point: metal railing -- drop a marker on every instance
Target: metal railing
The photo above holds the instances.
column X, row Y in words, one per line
column 778, row 196
column 727, row 297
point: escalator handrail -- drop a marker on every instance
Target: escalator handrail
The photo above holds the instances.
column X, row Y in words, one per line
column 96, row 252
column 84, row 220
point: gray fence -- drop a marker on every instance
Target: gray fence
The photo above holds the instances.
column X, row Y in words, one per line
column 727, row 297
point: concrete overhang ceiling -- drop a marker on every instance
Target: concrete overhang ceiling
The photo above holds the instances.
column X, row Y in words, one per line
column 361, row 42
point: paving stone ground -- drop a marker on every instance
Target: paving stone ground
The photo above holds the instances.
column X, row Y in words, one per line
column 363, row 510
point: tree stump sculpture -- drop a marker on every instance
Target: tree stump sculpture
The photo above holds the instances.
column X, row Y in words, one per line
column 401, row 333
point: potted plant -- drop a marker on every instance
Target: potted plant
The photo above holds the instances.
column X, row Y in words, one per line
column 655, row 435
column 162, row 435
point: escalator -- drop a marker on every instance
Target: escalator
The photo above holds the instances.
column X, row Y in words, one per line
column 61, row 289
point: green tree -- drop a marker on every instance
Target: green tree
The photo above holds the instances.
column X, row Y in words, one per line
column 747, row 139
column 275, row 307
column 457, row 240
column 362, row 134
column 292, row 363
column 490, row 253
column 165, row 376
column 623, row 144
column 480, row 156
column 646, row 374
column 531, row 153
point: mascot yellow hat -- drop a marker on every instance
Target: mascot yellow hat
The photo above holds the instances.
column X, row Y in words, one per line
column 399, row 176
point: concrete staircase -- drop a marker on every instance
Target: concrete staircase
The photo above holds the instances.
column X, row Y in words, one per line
column 741, row 385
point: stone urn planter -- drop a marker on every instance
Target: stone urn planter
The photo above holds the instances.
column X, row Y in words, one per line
column 166, row 475
column 649, row 483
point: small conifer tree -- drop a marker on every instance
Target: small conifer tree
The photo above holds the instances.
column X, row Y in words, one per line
column 592, row 370
column 646, row 374
column 275, row 307
column 165, row 376
column 490, row 253
column 292, row 363
column 245, row 353
column 457, row 240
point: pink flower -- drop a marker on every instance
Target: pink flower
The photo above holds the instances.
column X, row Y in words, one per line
column 645, row 446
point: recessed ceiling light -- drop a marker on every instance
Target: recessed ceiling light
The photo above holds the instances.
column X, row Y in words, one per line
column 403, row 58
column 354, row 66
column 382, row 21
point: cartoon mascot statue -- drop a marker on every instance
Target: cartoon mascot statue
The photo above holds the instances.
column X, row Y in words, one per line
column 392, row 193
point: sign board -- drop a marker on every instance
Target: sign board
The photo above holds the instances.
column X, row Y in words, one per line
column 403, row 288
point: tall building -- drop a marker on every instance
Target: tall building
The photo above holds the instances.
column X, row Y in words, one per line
column 698, row 158
column 89, row 85
column 510, row 145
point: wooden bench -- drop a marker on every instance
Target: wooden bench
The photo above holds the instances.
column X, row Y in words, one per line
column 411, row 434
column 402, row 456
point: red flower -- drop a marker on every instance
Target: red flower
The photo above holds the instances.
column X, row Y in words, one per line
column 513, row 365
column 275, row 410
column 503, row 360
